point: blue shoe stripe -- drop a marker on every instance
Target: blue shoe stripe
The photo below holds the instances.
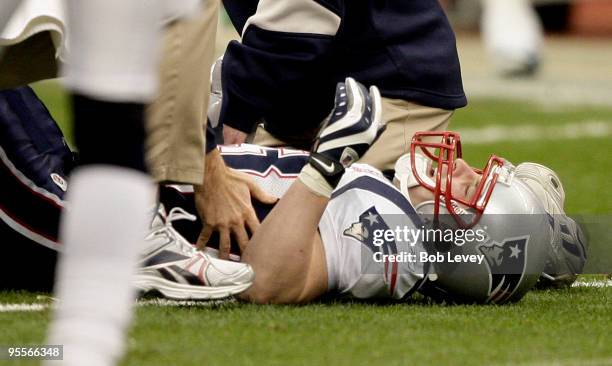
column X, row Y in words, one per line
column 165, row 256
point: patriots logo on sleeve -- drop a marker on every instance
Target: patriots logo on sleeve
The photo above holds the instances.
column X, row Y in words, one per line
column 506, row 262
column 357, row 231
column 363, row 231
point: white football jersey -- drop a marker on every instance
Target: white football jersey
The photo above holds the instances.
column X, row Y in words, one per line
column 273, row 169
column 363, row 204
column 363, row 207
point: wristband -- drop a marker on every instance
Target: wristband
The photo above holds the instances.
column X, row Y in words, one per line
column 315, row 181
column 331, row 170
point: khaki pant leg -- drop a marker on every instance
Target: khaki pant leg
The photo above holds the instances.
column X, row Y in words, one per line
column 403, row 119
column 175, row 144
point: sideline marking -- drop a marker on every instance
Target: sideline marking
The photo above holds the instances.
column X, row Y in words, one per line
column 531, row 132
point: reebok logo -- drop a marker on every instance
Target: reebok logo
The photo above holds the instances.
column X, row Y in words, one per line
column 59, row 181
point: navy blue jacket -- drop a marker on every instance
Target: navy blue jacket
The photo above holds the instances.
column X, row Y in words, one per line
column 293, row 52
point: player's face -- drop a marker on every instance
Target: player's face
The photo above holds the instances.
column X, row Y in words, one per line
column 465, row 182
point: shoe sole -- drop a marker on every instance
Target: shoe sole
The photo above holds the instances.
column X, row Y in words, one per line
column 179, row 291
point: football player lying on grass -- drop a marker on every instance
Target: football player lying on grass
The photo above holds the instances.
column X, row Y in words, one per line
column 336, row 228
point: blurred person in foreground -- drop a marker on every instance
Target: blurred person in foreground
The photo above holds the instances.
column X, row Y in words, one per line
column 111, row 73
column 34, row 42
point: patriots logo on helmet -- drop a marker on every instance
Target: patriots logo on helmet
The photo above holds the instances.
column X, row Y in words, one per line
column 507, row 263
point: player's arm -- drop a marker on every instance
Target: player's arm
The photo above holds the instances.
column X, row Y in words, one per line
column 286, row 252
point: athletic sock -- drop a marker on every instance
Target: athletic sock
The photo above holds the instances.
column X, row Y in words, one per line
column 102, row 231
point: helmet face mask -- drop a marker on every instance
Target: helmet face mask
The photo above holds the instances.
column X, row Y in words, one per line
column 443, row 155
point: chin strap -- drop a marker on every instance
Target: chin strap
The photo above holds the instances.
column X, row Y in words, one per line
column 404, row 175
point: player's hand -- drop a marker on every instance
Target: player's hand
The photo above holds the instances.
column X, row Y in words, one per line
column 232, row 136
column 353, row 126
column 224, row 204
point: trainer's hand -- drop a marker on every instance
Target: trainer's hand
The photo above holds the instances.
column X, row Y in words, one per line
column 232, row 136
column 224, row 204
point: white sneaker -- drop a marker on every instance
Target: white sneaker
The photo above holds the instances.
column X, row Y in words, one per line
column 175, row 268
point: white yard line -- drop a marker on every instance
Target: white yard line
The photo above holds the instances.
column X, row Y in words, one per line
column 7, row 308
column 536, row 132
column 568, row 362
column 181, row 303
column 552, row 92
column 594, row 283
column 23, row 307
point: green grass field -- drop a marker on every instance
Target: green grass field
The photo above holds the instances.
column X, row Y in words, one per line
column 562, row 327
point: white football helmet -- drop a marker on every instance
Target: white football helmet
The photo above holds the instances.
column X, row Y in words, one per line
column 568, row 249
column 511, row 226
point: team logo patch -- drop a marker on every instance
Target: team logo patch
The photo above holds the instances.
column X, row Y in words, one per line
column 357, row 231
column 59, row 181
column 362, row 230
column 507, row 265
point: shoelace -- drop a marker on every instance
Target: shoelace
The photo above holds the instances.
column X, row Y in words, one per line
column 175, row 214
column 178, row 213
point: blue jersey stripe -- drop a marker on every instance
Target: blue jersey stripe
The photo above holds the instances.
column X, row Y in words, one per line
column 382, row 189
